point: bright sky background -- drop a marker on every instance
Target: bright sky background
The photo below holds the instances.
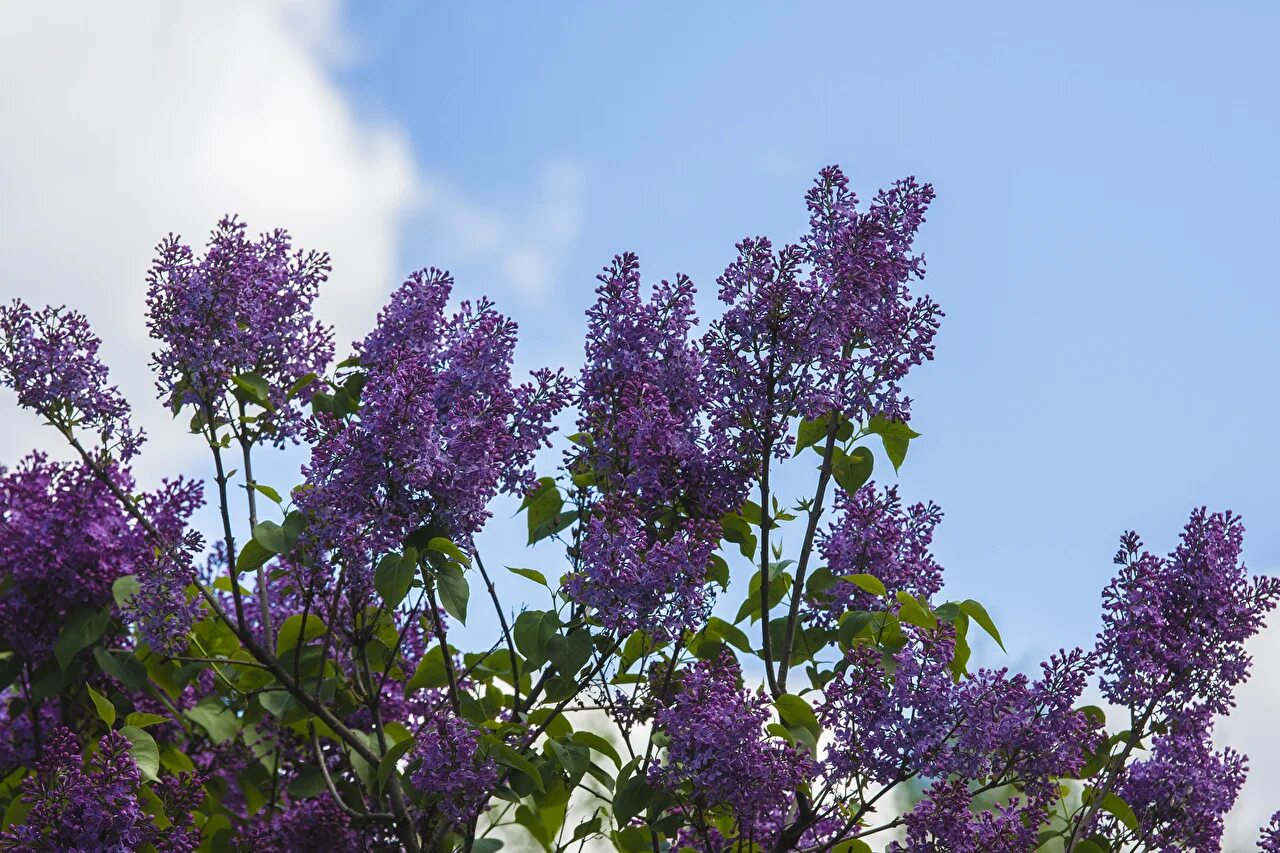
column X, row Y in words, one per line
column 1106, row 175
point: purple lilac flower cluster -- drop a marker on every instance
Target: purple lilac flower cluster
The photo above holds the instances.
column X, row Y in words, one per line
column 1175, row 628
column 1182, row 791
column 1172, row 650
column 1269, row 837
column 94, row 804
column 451, row 770
column 50, row 359
column 874, row 534
column 244, row 307
column 66, row 539
column 315, row 825
column 828, row 324
column 440, row 429
column 719, row 755
column 893, row 722
column 662, row 475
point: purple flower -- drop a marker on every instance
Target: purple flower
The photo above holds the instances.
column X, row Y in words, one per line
column 642, row 401
column 719, row 754
column 95, row 805
column 65, row 539
column 1182, row 792
column 874, row 534
column 50, row 359
column 451, row 771
column 245, row 307
column 439, row 431
column 316, row 825
column 634, row 578
column 1175, row 628
column 913, row 718
column 825, row 325
column 1269, row 836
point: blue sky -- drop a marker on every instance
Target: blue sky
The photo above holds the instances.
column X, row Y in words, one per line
column 1105, row 179
column 1100, row 243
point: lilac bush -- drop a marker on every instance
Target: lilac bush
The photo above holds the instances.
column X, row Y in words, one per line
column 711, row 663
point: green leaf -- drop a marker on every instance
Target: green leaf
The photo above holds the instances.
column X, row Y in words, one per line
column 911, row 611
column 141, row 719
column 393, row 577
column 270, row 493
column 867, row 582
column 252, row 556
column 896, row 437
column 852, row 470
column 737, row 529
column 532, row 574
column 979, row 614
column 393, row 755
column 123, row 667
column 532, row 632
column 1123, row 812
column 486, row 845
column 292, row 632
column 507, row 756
column 811, row 431
column 106, row 711
column 301, row 385
column 599, row 744
column 543, row 505
column 124, row 588
column 454, row 591
column 308, row 783
column 273, row 537
column 254, row 387
column 795, row 711
column 571, row 653
column 82, row 628
column 429, row 673
column 144, row 751
column 216, row 719
column 450, row 550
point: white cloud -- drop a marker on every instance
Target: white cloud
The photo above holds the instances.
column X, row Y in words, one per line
column 523, row 246
column 123, row 122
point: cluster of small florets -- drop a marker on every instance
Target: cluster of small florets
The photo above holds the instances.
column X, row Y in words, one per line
column 451, row 770
column 438, row 433
column 94, row 804
column 875, row 534
column 1175, row 627
column 661, row 474
column 50, row 360
column 245, row 307
column 826, row 325
column 720, row 753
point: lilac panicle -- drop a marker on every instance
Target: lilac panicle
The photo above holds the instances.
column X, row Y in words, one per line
column 439, row 432
column 94, row 804
column 65, row 539
column 1183, row 790
column 642, row 400
column 244, row 307
column 718, row 749
column 828, row 324
column 662, row 476
column 633, row 578
column 50, row 359
column 1269, row 836
column 915, row 719
column 1174, row 628
column 874, row 534
column 452, row 772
